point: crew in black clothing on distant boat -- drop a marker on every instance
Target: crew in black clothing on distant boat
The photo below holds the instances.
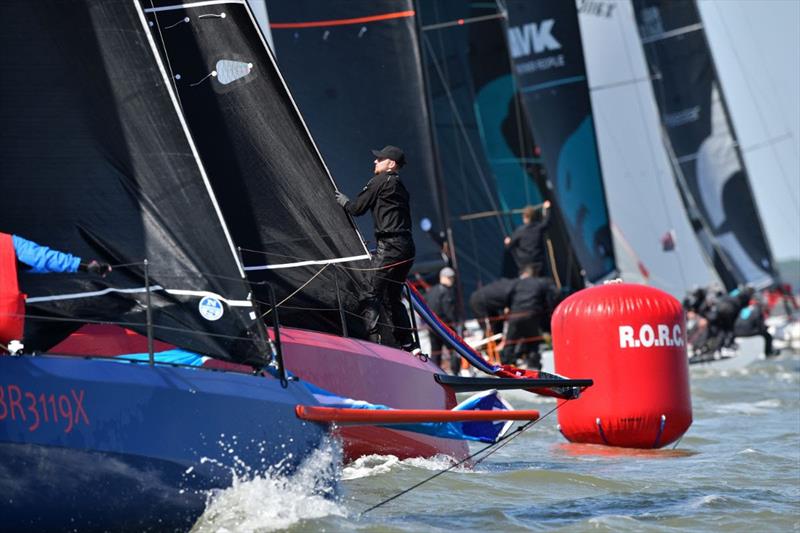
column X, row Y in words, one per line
column 387, row 198
column 527, row 242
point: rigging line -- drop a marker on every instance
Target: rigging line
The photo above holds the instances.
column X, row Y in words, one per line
column 463, row 131
column 650, row 150
column 458, row 254
column 341, row 22
column 517, row 100
column 487, row 449
column 134, row 324
column 461, row 22
column 757, row 105
column 300, row 288
column 623, row 83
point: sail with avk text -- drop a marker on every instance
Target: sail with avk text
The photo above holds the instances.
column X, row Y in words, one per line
column 700, row 139
column 545, row 44
column 490, row 166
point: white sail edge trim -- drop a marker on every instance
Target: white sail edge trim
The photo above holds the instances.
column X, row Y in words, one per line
column 300, row 115
column 672, row 33
column 154, row 288
column 305, row 263
column 192, row 4
column 188, row 134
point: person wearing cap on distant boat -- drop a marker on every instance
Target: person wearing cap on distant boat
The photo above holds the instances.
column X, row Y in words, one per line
column 527, row 242
column 388, row 200
column 21, row 255
column 441, row 299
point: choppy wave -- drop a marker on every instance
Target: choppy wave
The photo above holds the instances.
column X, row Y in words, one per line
column 272, row 501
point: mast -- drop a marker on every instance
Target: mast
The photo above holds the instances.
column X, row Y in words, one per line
column 440, row 190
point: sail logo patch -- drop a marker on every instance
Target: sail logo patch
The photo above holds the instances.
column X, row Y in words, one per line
column 210, row 308
column 532, row 38
column 648, row 336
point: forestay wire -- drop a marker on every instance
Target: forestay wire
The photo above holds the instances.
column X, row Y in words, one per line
column 487, row 450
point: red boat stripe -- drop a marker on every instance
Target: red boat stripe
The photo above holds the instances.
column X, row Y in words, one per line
column 341, row 22
column 405, row 416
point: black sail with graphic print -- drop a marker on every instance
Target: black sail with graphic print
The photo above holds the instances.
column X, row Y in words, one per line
column 490, row 160
column 96, row 162
column 273, row 187
column 699, row 135
column 545, row 43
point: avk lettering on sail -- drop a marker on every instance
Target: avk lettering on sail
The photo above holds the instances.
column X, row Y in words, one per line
column 535, row 38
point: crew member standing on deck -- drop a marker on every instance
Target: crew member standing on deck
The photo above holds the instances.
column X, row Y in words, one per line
column 527, row 242
column 387, row 198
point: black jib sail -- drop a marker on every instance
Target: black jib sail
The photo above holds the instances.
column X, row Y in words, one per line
column 273, row 188
column 97, row 161
column 545, row 44
column 490, row 169
column 701, row 142
column 354, row 70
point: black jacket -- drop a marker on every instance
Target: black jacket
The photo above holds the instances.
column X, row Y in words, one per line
column 533, row 299
column 491, row 299
column 387, row 197
column 527, row 242
column 442, row 301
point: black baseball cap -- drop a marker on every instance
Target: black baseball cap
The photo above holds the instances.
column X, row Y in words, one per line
column 391, row 152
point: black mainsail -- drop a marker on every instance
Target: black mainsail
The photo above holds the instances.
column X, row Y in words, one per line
column 94, row 142
column 701, row 142
column 354, row 70
column 545, row 44
column 273, row 187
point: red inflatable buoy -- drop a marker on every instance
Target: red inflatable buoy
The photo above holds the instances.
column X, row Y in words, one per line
column 631, row 340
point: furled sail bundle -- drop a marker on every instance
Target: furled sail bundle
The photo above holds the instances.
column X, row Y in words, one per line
column 97, row 161
column 545, row 44
column 699, row 136
column 271, row 182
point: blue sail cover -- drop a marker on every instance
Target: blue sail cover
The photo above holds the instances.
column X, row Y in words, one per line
column 545, row 44
column 701, row 140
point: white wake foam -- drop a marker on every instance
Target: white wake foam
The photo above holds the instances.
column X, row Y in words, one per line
column 272, row 502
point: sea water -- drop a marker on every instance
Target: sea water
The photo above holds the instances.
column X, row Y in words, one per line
column 736, row 469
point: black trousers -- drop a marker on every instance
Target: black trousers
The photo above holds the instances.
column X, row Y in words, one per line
column 392, row 261
column 520, row 341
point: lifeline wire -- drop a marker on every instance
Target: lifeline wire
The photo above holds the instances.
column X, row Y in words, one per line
column 499, row 444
